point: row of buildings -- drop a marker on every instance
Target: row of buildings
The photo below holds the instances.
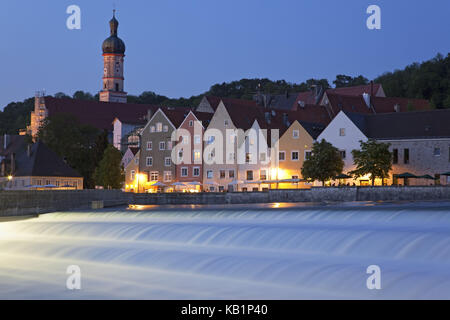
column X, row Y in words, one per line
column 239, row 145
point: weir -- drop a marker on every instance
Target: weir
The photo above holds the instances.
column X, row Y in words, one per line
column 231, row 252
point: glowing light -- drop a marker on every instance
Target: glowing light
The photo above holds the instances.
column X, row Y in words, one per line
column 10, row 178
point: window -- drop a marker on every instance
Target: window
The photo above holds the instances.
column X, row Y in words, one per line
column 169, row 145
column 281, row 156
column 342, row 132
column 395, row 156
column 231, row 174
column 136, row 161
column 197, row 139
column 162, row 145
column 167, row 161
column 263, row 175
column 133, row 174
column 210, row 140
column 149, row 145
column 196, row 172
column 437, row 152
column 406, row 156
column 248, row 157
column 212, row 189
column 222, row 174
column 167, row 176
column 249, row 175
column 184, row 172
column 197, row 156
column 149, row 161
column 262, row 157
column 154, row 176
column 184, row 139
column 343, row 154
column 180, row 155
column 117, row 87
column 209, row 174
column 225, row 123
column 231, row 156
column 191, row 123
column 308, row 154
column 221, row 189
column 159, row 127
column 165, row 128
column 152, row 129
column 294, row 156
column 295, row 134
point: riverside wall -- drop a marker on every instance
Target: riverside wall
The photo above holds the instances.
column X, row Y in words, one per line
column 17, row 203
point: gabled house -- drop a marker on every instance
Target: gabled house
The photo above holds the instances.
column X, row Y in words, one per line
column 344, row 134
column 35, row 166
column 155, row 161
column 189, row 150
column 419, row 142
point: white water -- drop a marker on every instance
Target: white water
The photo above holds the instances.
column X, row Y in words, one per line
column 243, row 253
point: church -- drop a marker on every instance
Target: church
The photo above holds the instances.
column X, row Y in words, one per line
column 112, row 106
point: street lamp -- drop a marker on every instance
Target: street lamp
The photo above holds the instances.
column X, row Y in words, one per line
column 10, row 177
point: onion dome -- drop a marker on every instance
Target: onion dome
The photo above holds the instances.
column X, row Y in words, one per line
column 113, row 44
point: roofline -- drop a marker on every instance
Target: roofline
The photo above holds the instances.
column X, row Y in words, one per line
column 159, row 109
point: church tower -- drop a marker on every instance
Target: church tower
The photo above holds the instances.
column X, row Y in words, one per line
column 113, row 58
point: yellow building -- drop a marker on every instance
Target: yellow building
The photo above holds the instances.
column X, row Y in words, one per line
column 294, row 147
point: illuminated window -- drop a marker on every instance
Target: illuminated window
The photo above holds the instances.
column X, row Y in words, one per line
column 167, row 176
column 197, row 156
column 159, row 127
column 295, row 134
column 263, row 175
column 342, row 132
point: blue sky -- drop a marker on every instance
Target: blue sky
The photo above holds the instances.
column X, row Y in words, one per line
column 182, row 47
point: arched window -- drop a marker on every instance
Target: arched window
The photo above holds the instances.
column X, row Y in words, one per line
column 117, row 87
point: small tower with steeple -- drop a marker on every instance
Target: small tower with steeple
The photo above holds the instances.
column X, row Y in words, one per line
column 113, row 58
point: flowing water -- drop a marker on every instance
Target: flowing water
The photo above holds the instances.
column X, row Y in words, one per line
column 272, row 251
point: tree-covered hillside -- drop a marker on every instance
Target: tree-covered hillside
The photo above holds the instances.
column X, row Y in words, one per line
column 428, row 80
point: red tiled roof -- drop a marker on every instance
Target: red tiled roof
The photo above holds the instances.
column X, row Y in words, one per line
column 308, row 97
column 96, row 113
column 357, row 104
column 214, row 102
column 355, row 91
column 384, row 105
column 176, row 114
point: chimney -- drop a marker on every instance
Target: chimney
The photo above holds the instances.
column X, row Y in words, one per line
column 286, row 120
column 371, row 88
column 267, row 116
column 13, row 163
column 149, row 114
column 6, row 141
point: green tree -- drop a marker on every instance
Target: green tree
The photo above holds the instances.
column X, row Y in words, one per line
column 324, row 164
column 374, row 158
column 109, row 173
column 78, row 144
column 343, row 80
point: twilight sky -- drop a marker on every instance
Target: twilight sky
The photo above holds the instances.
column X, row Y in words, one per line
column 182, row 47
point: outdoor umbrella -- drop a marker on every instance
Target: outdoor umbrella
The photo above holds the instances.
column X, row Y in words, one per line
column 158, row 184
column 235, row 182
column 178, row 184
column 446, row 174
column 194, row 183
column 50, row 186
column 405, row 175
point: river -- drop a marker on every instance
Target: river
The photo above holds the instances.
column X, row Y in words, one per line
column 271, row 251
